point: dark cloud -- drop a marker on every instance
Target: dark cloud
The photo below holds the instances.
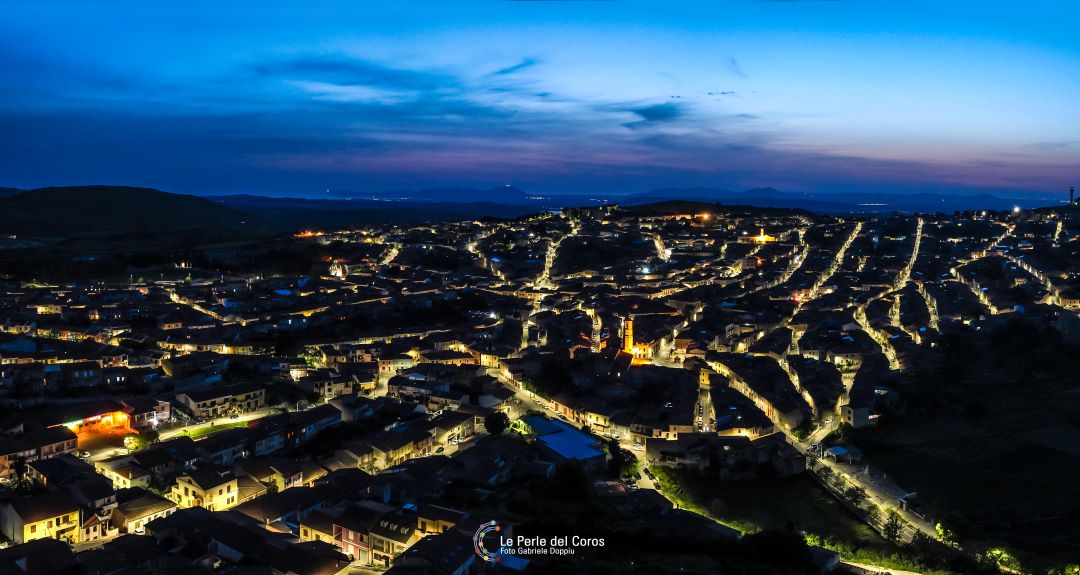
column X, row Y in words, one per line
column 659, row 113
column 525, row 63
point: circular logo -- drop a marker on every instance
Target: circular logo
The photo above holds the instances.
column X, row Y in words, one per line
column 478, row 540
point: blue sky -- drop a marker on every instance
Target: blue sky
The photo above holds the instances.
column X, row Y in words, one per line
column 289, row 98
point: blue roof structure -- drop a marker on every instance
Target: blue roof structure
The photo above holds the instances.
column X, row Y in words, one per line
column 563, row 439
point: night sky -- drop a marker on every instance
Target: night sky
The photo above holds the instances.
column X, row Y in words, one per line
column 291, row 98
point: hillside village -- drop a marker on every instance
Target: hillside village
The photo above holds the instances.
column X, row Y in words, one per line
column 378, row 409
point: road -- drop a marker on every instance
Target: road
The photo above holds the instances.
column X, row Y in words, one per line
column 219, row 421
column 879, row 489
column 113, row 450
column 876, row 570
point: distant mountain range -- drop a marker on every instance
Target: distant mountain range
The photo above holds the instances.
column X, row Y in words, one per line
column 500, row 195
column 839, row 203
column 834, row 203
column 84, row 210
column 105, row 209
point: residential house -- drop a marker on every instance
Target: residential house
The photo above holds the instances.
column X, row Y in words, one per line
column 213, row 490
column 136, row 507
column 212, row 402
column 51, row 515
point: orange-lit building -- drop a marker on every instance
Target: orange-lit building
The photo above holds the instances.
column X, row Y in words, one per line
column 640, row 352
column 761, row 239
column 105, row 416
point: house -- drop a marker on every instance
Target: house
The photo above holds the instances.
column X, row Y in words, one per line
column 328, row 383
column 308, row 558
column 352, row 529
column 32, row 446
column 280, row 473
column 54, row 441
column 136, row 507
column 213, row 490
column 147, row 412
column 390, row 365
column 39, row 557
column 284, row 510
column 353, row 407
column 448, row 553
column 73, row 375
column 209, row 364
column 310, row 422
column 60, row 470
column 318, row 525
column 453, row 426
column 51, row 515
column 399, row 444
column 433, row 519
column 224, row 447
column 97, row 500
column 212, row 402
column 124, row 472
column 731, row 455
column 391, row 535
column 449, row 357
column 490, row 461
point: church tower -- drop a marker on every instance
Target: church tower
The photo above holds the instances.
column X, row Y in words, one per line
column 628, row 335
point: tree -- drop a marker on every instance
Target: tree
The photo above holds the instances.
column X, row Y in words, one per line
column 802, row 431
column 856, row 494
column 953, row 528
column 134, row 443
column 25, row 485
column 873, row 515
column 141, row 441
column 496, row 423
column 622, row 464
column 893, row 527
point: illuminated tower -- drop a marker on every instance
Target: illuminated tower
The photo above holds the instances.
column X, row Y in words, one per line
column 1072, row 192
column 628, row 335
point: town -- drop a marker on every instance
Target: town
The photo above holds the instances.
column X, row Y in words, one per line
column 421, row 380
